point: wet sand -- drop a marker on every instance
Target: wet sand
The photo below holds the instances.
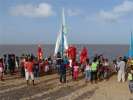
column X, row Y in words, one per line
column 49, row 88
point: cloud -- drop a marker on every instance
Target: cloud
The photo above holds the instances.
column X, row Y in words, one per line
column 117, row 12
column 40, row 10
column 73, row 12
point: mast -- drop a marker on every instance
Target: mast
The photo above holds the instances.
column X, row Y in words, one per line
column 62, row 33
column 131, row 46
column 61, row 43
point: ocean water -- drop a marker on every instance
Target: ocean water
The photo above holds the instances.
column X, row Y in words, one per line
column 109, row 51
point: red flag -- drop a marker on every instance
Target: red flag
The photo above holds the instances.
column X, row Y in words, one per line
column 83, row 55
column 40, row 53
column 72, row 52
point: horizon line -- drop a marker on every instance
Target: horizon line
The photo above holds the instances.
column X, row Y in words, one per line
column 69, row 44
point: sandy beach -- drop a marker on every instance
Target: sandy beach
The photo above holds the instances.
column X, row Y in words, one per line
column 66, row 37
column 48, row 88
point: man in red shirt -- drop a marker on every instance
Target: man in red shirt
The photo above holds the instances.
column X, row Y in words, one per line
column 29, row 70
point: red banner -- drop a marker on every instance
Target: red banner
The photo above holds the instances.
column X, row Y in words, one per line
column 72, row 52
column 40, row 53
column 83, row 55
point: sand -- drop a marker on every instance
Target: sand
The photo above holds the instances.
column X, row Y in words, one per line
column 49, row 88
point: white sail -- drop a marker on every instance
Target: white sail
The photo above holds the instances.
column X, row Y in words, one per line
column 58, row 41
column 57, row 45
column 65, row 43
column 64, row 30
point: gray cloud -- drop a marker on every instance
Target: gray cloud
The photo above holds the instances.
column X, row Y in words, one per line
column 73, row 12
column 117, row 12
column 40, row 10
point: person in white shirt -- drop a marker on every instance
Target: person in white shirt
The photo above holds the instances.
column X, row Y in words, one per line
column 106, row 68
column 70, row 67
column 70, row 63
column 1, row 69
column 121, row 70
column 87, row 71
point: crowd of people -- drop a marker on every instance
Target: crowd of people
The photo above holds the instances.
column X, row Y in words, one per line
column 93, row 70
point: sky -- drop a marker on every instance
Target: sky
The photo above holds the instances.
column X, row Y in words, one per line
column 87, row 21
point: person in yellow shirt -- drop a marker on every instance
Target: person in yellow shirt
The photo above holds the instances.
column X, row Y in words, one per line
column 94, row 67
column 130, row 79
column 129, row 62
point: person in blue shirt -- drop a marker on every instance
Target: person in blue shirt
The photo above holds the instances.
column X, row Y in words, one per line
column 63, row 72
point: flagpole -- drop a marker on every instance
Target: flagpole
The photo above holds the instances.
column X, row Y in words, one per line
column 131, row 44
column 62, row 36
column 62, row 33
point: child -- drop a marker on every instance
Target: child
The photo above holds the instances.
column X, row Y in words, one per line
column 75, row 71
column 130, row 79
column 88, row 71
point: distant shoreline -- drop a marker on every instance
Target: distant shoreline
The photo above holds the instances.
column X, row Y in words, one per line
column 109, row 50
column 70, row 44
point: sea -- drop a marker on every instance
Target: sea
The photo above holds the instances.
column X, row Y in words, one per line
column 109, row 51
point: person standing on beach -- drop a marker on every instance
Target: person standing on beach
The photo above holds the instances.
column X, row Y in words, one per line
column 11, row 62
column 46, row 68
column 106, row 68
column 70, row 66
column 5, row 63
column 94, row 67
column 29, row 71
column 58, row 62
column 22, row 61
column 87, row 71
column 121, row 70
column 1, row 69
column 83, row 57
column 36, row 68
column 76, row 70
column 130, row 79
column 62, row 72
column 115, row 66
column 17, row 63
column 100, row 70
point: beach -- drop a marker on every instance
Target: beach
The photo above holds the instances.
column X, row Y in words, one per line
column 66, row 50
column 48, row 88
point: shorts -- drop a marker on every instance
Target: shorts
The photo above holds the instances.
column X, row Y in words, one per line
column 29, row 75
